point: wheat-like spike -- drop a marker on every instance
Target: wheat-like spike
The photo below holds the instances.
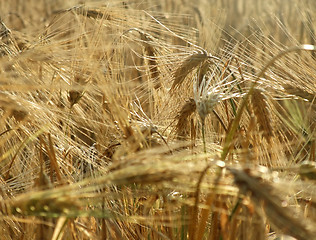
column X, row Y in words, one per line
column 262, row 113
column 12, row 107
column 183, row 118
column 202, row 72
column 243, row 104
column 207, row 103
column 147, row 39
column 307, row 170
column 299, row 92
column 96, row 14
column 75, row 94
column 282, row 218
column 4, row 30
column 81, row 10
column 153, row 65
column 311, row 30
column 186, row 67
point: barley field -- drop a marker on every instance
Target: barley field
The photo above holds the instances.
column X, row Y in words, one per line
column 170, row 119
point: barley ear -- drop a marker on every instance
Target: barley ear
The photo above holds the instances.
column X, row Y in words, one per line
column 299, row 92
column 75, row 94
column 183, row 118
column 4, row 30
column 187, row 66
column 280, row 217
column 261, row 110
column 150, row 51
column 202, row 71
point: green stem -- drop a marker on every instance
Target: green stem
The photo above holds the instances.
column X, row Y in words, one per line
column 203, row 134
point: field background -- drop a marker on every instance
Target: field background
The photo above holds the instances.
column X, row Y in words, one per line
column 157, row 119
